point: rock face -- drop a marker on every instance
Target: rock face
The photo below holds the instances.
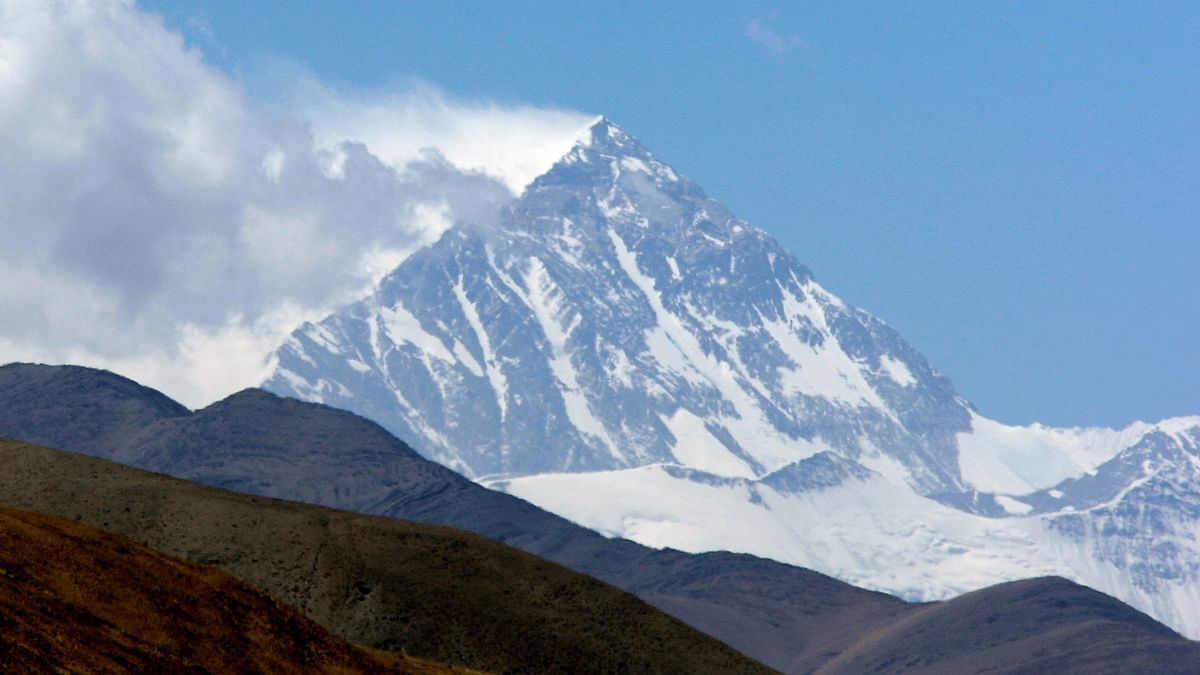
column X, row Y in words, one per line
column 623, row 351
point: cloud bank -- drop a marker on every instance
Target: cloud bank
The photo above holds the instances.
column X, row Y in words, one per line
column 157, row 221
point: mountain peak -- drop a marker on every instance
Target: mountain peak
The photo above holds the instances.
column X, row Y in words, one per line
column 607, row 135
column 603, row 153
column 607, row 139
column 617, row 322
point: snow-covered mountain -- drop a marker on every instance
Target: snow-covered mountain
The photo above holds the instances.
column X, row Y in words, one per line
column 1129, row 529
column 624, row 351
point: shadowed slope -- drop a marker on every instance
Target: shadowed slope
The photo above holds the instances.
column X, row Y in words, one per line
column 1045, row 625
column 259, row 443
column 83, row 409
column 77, row 599
column 426, row 590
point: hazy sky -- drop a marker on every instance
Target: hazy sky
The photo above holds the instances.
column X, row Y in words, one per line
column 1014, row 186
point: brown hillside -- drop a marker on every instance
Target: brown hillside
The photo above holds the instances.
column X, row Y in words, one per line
column 430, row 591
column 74, row 598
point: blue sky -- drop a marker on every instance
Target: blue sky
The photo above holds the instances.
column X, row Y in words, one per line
column 1013, row 186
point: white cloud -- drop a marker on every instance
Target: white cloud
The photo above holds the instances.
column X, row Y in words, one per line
column 512, row 143
column 778, row 45
column 156, row 221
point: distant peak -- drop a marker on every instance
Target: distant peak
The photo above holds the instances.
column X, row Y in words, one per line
column 602, row 152
column 604, row 128
column 601, row 123
column 606, row 137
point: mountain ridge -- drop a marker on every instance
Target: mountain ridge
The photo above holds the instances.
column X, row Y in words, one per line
column 395, row 585
column 260, row 443
column 592, row 222
column 617, row 322
column 793, row 619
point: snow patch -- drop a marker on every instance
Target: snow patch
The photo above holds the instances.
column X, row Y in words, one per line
column 824, row 370
column 671, row 262
column 872, row 533
column 620, row 368
column 324, row 338
column 464, row 357
column 995, row 457
column 676, row 349
column 635, row 164
column 896, row 370
column 1013, row 506
column 697, row 448
column 297, row 348
column 491, row 364
column 547, row 302
column 402, row 327
column 883, row 464
column 1184, row 430
column 309, row 391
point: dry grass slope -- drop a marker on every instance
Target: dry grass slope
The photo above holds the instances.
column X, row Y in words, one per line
column 429, row 591
column 74, row 598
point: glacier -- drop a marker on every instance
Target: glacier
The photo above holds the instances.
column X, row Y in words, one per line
column 622, row 350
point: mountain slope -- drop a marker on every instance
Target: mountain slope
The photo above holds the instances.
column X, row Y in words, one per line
column 91, row 411
column 1078, row 631
column 76, row 599
column 624, row 351
column 622, row 318
column 285, row 448
column 399, row 586
column 794, row 619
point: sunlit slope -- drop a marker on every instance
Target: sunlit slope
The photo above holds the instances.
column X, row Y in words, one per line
column 74, row 598
column 426, row 590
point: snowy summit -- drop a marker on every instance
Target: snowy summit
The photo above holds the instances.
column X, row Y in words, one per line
column 626, row 352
